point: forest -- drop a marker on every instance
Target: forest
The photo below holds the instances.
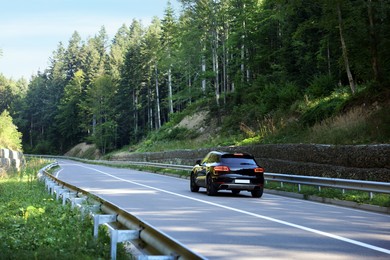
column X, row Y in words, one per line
column 244, row 61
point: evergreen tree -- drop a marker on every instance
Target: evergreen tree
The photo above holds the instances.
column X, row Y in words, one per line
column 168, row 27
column 10, row 137
column 127, row 98
column 150, row 49
column 68, row 119
column 98, row 103
column 118, row 50
column 73, row 55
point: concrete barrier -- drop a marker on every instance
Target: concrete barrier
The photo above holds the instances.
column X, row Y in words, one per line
column 10, row 159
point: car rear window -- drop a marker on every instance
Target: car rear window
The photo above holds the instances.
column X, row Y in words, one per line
column 238, row 158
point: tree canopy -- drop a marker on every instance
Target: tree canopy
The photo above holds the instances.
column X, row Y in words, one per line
column 10, row 138
column 245, row 58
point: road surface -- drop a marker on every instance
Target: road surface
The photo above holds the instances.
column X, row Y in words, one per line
column 231, row 226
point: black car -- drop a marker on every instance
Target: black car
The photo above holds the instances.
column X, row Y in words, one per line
column 228, row 171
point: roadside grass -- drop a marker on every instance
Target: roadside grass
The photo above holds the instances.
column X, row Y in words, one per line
column 382, row 200
column 35, row 226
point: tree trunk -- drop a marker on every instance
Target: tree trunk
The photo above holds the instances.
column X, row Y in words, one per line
column 158, row 99
column 170, row 90
column 150, row 109
column 242, row 60
column 93, row 124
column 135, row 114
column 203, row 71
column 345, row 52
column 216, row 67
column 224, row 76
column 373, row 44
column 328, row 57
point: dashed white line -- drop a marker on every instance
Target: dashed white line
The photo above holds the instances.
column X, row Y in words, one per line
column 315, row 231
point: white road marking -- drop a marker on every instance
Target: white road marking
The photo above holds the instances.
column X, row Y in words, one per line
column 315, row 231
column 58, row 173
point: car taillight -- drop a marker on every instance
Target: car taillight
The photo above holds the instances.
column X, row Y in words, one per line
column 259, row 170
column 221, row 168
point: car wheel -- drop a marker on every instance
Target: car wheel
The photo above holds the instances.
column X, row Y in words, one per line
column 193, row 186
column 257, row 193
column 235, row 192
column 211, row 189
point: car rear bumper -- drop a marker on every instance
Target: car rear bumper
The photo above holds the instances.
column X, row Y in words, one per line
column 236, row 186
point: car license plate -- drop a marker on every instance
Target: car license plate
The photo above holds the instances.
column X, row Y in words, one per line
column 242, row 181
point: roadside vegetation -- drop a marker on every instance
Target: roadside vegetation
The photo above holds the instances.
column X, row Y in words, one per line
column 35, row 226
column 253, row 72
column 382, row 200
column 264, row 72
column 338, row 118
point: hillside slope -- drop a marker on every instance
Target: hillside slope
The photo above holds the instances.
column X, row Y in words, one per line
column 360, row 119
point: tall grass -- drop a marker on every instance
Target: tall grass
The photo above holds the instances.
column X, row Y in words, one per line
column 357, row 126
column 340, row 129
column 35, row 226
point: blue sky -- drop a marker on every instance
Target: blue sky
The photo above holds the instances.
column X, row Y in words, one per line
column 30, row 30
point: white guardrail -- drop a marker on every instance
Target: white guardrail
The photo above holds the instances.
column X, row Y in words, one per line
column 146, row 242
column 343, row 184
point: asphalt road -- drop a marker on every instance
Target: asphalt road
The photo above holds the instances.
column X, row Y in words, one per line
column 231, row 226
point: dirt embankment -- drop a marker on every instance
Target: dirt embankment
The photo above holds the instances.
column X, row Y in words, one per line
column 84, row 150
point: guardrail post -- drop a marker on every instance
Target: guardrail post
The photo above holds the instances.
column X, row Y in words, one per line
column 53, row 188
column 58, row 190
column 76, row 201
column 118, row 236
column 67, row 195
column 49, row 185
column 99, row 219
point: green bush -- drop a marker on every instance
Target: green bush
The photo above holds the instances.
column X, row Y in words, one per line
column 44, row 147
column 9, row 136
column 321, row 86
column 288, row 95
column 324, row 109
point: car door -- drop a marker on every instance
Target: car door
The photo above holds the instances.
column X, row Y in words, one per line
column 201, row 172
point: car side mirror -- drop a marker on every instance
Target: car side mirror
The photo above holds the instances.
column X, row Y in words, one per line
column 198, row 162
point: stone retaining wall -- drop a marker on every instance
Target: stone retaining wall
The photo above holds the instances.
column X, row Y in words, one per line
column 10, row 159
column 362, row 162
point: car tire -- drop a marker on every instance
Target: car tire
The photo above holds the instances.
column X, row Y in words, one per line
column 236, row 192
column 257, row 193
column 210, row 187
column 193, row 186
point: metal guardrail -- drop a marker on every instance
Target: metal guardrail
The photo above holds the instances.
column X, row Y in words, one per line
column 343, row 184
column 156, row 245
